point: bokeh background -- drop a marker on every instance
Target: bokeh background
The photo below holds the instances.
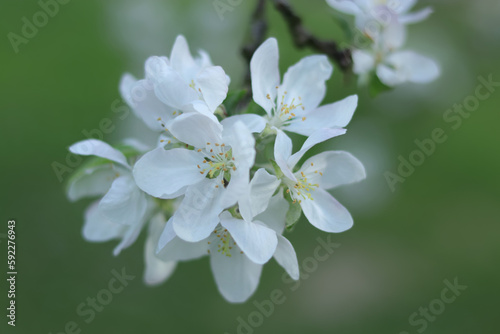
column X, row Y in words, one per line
column 441, row 223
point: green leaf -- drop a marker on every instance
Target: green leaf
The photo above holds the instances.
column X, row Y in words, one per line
column 377, row 86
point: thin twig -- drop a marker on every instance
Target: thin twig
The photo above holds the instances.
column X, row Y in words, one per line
column 258, row 32
column 303, row 38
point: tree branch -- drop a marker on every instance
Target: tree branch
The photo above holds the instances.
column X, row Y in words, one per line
column 258, row 32
column 303, row 38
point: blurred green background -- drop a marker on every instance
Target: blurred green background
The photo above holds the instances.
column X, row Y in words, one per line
column 441, row 223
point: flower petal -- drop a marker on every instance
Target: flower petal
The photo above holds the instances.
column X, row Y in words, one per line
column 242, row 142
column 256, row 198
column 316, row 138
column 98, row 228
column 181, row 59
column 173, row 90
column 124, row 203
column 198, row 214
column 403, row 6
column 346, row 6
column 408, row 66
column 130, row 236
column 283, row 152
column 155, row 68
column 336, row 167
column 304, row 82
column 91, row 183
column 275, row 214
column 364, row 61
column 99, row 149
column 196, row 130
column 237, row 277
column 163, row 174
column 254, row 123
column 416, row 16
column 213, row 84
column 156, row 271
column 326, row 213
column 334, row 115
column 256, row 241
column 265, row 74
column 142, row 98
column 172, row 248
column 287, row 258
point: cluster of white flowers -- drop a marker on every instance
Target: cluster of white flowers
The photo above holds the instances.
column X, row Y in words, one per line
column 383, row 25
column 209, row 187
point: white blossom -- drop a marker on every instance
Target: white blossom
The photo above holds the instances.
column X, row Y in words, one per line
column 211, row 176
column 294, row 105
column 237, row 248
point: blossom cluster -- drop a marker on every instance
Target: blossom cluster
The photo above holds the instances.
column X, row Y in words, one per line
column 215, row 185
column 378, row 52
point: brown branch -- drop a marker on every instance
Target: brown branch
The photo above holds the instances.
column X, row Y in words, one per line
column 258, row 32
column 303, row 38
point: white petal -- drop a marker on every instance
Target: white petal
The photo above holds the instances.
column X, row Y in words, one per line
column 364, row 61
column 394, row 35
column 180, row 250
column 196, row 130
column 265, row 74
column 155, row 68
column 326, row 213
column 345, row 6
column 172, row 248
column 204, row 59
column 130, row 236
column 173, row 90
column 146, row 105
column 182, row 60
column 198, row 214
column 167, row 235
column 98, row 228
column 213, row 83
column 408, row 66
column 403, row 6
column 254, row 123
column 282, row 152
column 416, row 16
column 124, row 203
column 275, row 214
column 162, row 173
column 338, row 168
column 236, row 277
column 304, row 82
column 256, row 241
column 99, row 149
column 156, row 271
column 316, row 138
column 93, row 182
column 256, row 199
column 334, row 115
column 287, row 258
column 242, row 141
column 126, row 83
